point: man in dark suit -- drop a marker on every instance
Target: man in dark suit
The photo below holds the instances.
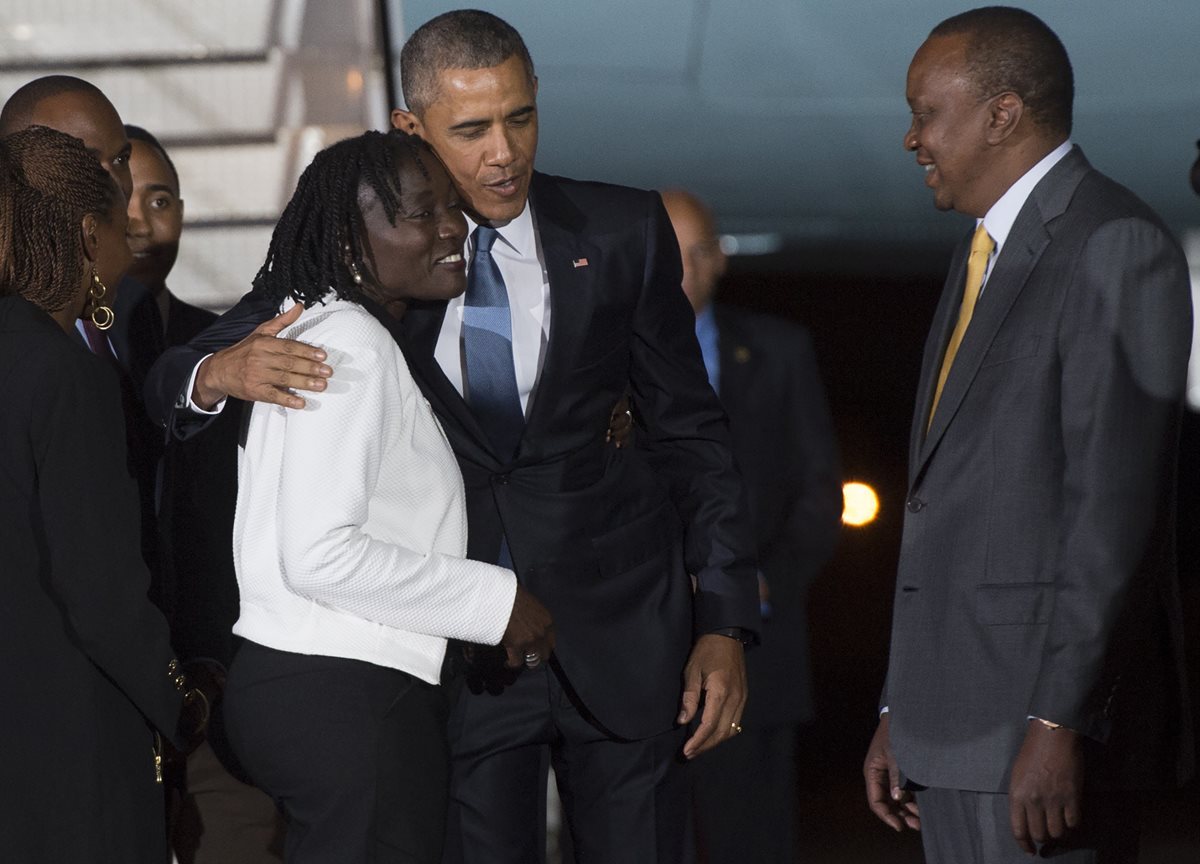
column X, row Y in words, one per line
column 220, row 818
column 1035, row 658
column 765, row 372
column 150, row 317
column 587, row 279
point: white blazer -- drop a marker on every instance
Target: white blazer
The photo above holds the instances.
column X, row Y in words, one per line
column 351, row 521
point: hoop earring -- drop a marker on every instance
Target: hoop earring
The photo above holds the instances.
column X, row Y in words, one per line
column 102, row 316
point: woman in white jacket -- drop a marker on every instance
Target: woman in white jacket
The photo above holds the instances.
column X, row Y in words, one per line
column 351, row 524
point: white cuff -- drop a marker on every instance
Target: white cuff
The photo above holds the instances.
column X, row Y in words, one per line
column 185, row 397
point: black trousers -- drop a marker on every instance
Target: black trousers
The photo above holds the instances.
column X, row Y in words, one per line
column 624, row 801
column 745, row 798
column 353, row 754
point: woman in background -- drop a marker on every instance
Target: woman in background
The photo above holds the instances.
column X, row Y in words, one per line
column 85, row 665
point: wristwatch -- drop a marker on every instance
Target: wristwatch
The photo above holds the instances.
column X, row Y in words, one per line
column 741, row 634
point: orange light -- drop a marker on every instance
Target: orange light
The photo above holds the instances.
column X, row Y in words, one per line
column 354, row 82
column 860, row 504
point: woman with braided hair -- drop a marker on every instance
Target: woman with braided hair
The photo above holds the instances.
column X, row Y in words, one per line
column 350, row 533
column 85, row 663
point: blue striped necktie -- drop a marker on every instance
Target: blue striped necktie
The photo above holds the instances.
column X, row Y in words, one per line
column 491, row 380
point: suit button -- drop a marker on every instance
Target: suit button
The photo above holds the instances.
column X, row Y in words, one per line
column 501, row 479
column 915, row 504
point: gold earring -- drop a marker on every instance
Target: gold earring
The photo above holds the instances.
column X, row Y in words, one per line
column 102, row 316
column 354, row 274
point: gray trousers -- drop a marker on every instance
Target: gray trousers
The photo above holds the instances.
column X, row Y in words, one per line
column 960, row 827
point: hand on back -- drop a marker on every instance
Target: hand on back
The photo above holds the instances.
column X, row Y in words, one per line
column 263, row 368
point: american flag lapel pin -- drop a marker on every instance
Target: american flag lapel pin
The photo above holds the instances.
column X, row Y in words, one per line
column 578, row 262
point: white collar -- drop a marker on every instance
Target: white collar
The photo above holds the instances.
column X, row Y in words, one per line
column 517, row 234
column 1000, row 218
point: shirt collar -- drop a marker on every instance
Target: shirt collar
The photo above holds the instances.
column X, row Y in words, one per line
column 517, row 234
column 1000, row 218
column 706, row 321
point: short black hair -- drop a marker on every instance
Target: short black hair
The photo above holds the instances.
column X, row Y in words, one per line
column 137, row 133
column 48, row 183
column 1013, row 50
column 462, row 39
column 17, row 113
column 320, row 235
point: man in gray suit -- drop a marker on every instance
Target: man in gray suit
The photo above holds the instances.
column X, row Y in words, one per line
column 1035, row 662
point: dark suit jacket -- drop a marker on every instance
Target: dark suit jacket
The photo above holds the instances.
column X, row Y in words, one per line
column 785, row 447
column 138, row 334
column 83, row 653
column 189, row 487
column 592, row 530
column 1037, row 573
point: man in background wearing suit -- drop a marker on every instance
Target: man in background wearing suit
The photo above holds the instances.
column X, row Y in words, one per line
column 220, row 819
column 1035, row 658
column 765, row 372
column 572, row 301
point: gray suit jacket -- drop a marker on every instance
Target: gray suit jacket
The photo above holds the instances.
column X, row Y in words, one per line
column 1037, row 570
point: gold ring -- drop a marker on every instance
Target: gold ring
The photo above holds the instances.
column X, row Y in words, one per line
column 737, row 729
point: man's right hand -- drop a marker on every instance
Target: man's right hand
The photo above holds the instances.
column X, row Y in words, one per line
column 530, row 631
column 262, row 368
column 888, row 800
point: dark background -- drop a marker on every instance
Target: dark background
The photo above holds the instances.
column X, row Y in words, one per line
column 868, row 314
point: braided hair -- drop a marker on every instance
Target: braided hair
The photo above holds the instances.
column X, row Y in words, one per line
column 319, row 241
column 48, row 183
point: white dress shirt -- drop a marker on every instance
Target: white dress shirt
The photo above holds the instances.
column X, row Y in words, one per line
column 518, row 254
column 1000, row 218
column 351, row 521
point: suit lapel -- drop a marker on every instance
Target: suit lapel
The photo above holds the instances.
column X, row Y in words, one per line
column 572, row 266
column 944, row 319
column 1009, row 273
column 1026, row 242
column 417, row 336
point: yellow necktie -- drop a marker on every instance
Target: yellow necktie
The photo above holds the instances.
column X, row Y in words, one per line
column 981, row 249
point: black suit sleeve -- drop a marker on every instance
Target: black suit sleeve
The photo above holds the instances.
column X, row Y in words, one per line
column 88, row 509
column 171, row 372
column 687, row 438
